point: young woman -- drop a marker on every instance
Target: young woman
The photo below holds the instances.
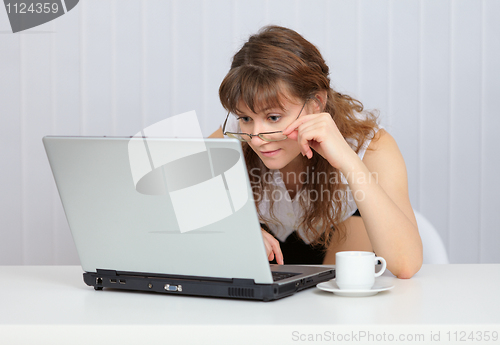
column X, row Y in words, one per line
column 325, row 176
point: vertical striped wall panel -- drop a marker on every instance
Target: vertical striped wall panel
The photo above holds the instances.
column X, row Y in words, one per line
column 157, row 64
column 98, row 44
column 113, row 67
column 490, row 123
column 403, row 106
column 187, row 54
column 217, row 54
column 127, row 66
column 434, row 156
column 373, row 55
column 342, row 45
column 465, row 125
column 11, row 123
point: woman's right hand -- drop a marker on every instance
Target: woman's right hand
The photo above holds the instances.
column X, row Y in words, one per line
column 272, row 247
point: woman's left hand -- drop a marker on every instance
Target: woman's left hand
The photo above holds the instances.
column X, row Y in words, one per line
column 320, row 133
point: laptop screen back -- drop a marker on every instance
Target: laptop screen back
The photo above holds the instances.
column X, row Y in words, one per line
column 160, row 205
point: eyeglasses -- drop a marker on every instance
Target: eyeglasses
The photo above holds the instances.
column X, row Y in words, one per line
column 266, row 136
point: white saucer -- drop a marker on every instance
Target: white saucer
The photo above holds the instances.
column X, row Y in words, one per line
column 331, row 286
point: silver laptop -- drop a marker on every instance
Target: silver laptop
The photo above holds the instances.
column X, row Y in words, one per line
column 168, row 215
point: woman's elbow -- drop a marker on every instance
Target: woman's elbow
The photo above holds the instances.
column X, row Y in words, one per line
column 410, row 262
column 407, row 269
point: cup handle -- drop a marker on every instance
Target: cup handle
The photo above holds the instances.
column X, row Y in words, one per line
column 384, row 265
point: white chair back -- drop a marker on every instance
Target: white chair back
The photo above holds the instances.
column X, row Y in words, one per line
column 434, row 249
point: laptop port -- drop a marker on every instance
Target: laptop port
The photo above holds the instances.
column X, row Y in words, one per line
column 112, row 281
column 169, row 287
column 98, row 281
column 122, row 281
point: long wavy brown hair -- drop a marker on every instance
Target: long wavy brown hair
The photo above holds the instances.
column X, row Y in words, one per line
column 277, row 62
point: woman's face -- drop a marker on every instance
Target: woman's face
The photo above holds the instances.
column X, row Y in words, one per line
column 274, row 154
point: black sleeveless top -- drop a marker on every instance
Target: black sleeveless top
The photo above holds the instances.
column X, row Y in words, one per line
column 296, row 251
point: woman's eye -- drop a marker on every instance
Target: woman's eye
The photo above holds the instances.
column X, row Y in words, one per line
column 244, row 119
column 274, row 118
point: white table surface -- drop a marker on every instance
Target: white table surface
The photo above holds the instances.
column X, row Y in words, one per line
column 53, row 301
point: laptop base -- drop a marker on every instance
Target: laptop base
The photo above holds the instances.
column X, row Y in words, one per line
column 200, row 286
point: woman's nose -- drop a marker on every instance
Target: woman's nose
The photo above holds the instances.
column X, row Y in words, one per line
column 258, row 127
column 256, row 140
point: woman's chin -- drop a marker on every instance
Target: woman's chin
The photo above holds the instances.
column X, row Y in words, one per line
column 273, row 165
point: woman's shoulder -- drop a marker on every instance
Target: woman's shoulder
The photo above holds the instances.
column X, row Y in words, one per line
column 217, row 134
column 381, row 140
column 383, row 152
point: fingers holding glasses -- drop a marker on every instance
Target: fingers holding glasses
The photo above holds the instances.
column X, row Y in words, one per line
column 312, row 131
column 319, row 132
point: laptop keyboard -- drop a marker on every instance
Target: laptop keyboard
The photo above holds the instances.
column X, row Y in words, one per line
column 282, row 275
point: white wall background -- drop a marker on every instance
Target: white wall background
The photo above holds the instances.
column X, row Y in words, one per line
column 113, row 67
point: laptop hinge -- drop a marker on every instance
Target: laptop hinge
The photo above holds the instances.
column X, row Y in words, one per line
column 106, row 272
column 240, row 281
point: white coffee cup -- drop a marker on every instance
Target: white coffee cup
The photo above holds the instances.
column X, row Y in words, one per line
column 356, row 270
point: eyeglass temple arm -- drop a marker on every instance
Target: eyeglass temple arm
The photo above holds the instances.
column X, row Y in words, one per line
column 224, row 126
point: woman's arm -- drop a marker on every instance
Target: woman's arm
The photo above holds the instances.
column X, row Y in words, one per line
column 380, row 188
column 355, row 239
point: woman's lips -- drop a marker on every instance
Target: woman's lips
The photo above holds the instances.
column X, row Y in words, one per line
column 270, row 153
